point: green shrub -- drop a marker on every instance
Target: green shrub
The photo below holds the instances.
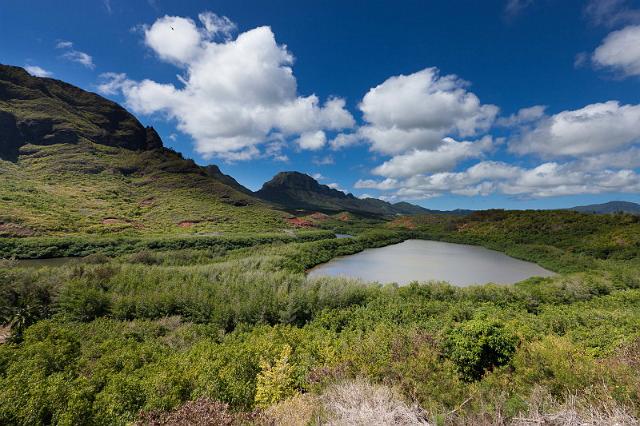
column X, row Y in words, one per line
column 478, row 346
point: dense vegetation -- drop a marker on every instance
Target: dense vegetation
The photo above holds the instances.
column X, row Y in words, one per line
column 187, row 301
column 242, row 334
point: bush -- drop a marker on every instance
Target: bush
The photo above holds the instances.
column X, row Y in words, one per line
column 478, row 346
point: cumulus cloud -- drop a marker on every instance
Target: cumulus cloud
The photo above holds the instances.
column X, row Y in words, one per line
column 235, row 94
column 487, row 177
column 217, row 25
column 414, row 119
column 38, row 71
column 312, row 141
column 418, row 110
column 345, row 140
column 444, row 157
column 620, row 51
column 523, row 116
column 594, row 129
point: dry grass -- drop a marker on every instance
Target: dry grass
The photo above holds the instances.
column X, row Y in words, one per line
column 5, row 332
column 362, row 403
column 545, row 410
column 196, row 413
column 301, row 410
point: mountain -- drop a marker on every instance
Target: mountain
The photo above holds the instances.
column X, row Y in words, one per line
column 73, row 162
column 298, row 191
column 214, row 171
column 610, row 207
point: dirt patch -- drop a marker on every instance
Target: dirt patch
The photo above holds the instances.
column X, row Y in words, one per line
column 317, row 216
column 15, row 230
column 148, row 202
column 112, row 221
column 403, row 222
column 300, row 223
column 186, row 224
column 345, row 217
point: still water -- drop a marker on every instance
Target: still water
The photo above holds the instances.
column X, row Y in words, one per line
column 422, row 260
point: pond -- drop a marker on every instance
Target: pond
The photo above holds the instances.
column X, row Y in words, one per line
column 423, row 260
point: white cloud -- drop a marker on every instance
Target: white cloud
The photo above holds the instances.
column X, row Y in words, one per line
column 234, row 94
column 624, row 159
column 337, row 187
column 217, row 25
column 312, row 141
column 38, row 71
column 365, row 196
column 445, row 157
column 80, row 57
column 345, row 140
column 620, row 51
column 413, row 118
column 75, row 55
column 318, row 176
column 112, row 83
column 383, row 185
column 523, row 116
column 487, row 177
column 594, row 129
column 64, row 44
column 418, row 110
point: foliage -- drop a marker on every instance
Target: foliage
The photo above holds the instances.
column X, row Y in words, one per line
column 275, row 382
column 478, row 346
column 150, row 330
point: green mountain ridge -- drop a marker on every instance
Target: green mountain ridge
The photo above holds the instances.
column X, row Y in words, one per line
column 298, row 191
column 75, row 162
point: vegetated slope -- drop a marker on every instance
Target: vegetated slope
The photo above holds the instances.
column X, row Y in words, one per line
column 214, row 171
column 244, row 333
column 561, row 240
column 298, row 191
column 74, row 162
column 610, row 207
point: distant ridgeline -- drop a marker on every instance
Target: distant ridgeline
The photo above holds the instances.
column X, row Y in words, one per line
column 610, row 207
column 294, row 190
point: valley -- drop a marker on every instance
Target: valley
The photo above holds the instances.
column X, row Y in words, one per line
column 138, row 287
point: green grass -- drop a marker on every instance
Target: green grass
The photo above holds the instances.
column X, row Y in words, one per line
column 99, row 190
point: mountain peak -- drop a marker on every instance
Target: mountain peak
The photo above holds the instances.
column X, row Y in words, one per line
column 294, row 190
column 45, row 111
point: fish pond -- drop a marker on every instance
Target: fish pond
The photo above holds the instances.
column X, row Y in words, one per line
column 424, row 260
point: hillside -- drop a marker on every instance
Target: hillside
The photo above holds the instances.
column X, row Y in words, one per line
column 74, row 162
column 610, row 207
column 298, row 191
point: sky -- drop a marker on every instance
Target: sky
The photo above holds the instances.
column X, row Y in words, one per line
column 448, row 104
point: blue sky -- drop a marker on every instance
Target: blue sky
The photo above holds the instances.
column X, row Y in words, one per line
column 408, row 100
